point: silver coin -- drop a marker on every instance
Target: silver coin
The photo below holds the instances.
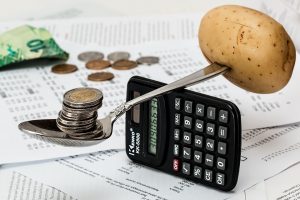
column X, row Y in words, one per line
column 149, row 60
column 118, row 55
column 81, row 110
column 83, row 97
column 88, row 134
column 90, row 55
column 85, row 136
column 77, row 116
column 67, row 122
column 75, row 129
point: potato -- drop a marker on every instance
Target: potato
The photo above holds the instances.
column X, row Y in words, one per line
column 257, row 48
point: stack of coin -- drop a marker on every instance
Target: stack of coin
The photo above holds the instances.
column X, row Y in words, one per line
column 78, row 116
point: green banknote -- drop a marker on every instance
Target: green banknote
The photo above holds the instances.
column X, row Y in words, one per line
column 27, row 43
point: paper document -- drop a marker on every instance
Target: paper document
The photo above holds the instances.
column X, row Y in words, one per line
column 287, row 12
column 35, row 92
column 111, row 175
column 283, row 186
column 119, row 31
column 122, row 31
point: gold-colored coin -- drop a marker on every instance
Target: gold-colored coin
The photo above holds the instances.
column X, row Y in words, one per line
column 124, row 64
column 83, row 97
column 100, row 76
column 64, row 68
column 97, row 64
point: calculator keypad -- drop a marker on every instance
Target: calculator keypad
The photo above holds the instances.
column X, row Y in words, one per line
column 204, row 129
column 186, row 134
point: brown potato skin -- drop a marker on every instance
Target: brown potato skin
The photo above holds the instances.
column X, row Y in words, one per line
column 257, row 48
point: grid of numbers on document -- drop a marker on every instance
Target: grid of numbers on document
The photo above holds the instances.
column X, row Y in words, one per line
column 20, row 95
column 200, row 141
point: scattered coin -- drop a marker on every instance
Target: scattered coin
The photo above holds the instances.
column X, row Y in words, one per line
column 100, row 76
column 124, row 65
column 119, row 55
column 90, row 55
column 97, row 64
column 149, row 60
column 64, row 68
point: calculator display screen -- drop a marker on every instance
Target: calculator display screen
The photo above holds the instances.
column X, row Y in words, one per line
column 152, row 138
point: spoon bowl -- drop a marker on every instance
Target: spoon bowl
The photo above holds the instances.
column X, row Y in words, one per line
column 46, row 130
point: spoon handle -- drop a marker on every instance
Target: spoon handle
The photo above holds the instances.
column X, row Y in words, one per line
column 208, row 72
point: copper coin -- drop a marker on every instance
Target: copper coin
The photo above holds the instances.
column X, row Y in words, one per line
column 64, row 68
column 124, row 64
column 97, row 64
column 100, row 76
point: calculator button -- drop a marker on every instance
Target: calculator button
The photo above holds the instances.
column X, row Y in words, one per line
column 198, row 141
column 211, row 113
column 208, row 175
column 177, row 119
column 222, row 132
column 177, row 103
column 187, row 122
column 176, row 150
column 198, row 156
column 221, row 163
column 210, row 129
column 197, row 172
column 222, row 148
column 188, row 106
column 210, row 145
column 176, row 134
column 187, row 137
column 186, row 153
column 223, row 116
column 209, row 160
column 199, row 125
column 200, row 110
column 186, row 168
column 176, row 165
column 220, row 179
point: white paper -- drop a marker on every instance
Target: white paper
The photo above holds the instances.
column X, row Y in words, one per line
column 119, row 31
column 287, row 12
column 125, row 30
column 35, row 92
column 283, row 186
column 111, row 175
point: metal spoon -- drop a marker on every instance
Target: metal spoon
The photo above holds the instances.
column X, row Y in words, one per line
column 46, row 129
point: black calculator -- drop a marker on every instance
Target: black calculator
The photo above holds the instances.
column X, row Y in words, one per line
column 185, row 133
